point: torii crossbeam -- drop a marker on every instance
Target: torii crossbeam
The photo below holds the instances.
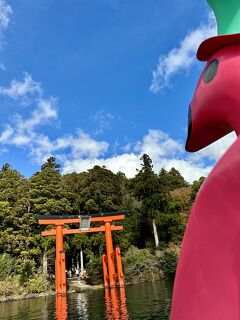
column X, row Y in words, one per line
column 110, row 277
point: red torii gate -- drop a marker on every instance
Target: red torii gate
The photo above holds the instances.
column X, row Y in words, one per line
column 110, row 277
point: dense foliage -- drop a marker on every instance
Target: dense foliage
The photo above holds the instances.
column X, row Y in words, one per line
column 162, row 199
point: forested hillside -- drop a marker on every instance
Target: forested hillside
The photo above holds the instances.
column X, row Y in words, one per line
column 161, row 201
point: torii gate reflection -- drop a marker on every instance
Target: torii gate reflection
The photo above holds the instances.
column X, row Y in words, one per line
column 61, row 308
column 115, row 305
column 111, row 279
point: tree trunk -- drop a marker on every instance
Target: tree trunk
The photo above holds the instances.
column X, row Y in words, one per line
column 155, row 233
column 44, row 264
column 81, row 264
column 77, row 257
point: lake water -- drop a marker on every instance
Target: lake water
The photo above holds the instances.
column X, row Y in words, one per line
column 145, row 301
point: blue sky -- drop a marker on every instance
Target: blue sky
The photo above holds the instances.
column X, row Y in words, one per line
column 101, row 82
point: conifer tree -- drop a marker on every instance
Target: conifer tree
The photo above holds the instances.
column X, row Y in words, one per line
column 147, row 189
column 17, row 224
column 47, row 191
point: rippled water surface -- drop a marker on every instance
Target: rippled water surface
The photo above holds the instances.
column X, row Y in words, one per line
column 144, row 301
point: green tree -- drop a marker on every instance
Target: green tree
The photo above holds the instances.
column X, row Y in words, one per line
column 171, row 180
column 47, row 197
column 47, row 191
column 195, row 188
column 101, row 186
column 146, row 189
column 17, row 223
column 171, row 227
column 50, row 163
column 6, row 266
column 73, row 184
column 176, row 180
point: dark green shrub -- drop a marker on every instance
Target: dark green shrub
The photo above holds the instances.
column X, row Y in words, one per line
column 6, row 266
column 168, row 262
column 25, row 269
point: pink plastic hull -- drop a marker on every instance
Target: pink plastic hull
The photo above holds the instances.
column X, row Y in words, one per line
column 207, row 284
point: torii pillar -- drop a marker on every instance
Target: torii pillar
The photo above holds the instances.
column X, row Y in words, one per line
column 110, row 255
column 60, row 265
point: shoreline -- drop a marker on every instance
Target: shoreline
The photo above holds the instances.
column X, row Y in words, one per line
column 74, row 287
column 27, row 296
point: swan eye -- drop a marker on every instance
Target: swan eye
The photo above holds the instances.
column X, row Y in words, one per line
column 211, row 71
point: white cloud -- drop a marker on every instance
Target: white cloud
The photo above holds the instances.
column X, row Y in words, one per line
column 217, row 149
column 82, row 145
column 164, row 151
column 181, row 58
column 22, row 130
column 79, row 146
column 27, row 91
column 22, row 90
column 127, row 163
column 45, row 111
column 80, row 152
column 6, row 134
column 10, row 136
column 41, row 148
column 5, row 13
column 158, row 144
column 19, row 139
